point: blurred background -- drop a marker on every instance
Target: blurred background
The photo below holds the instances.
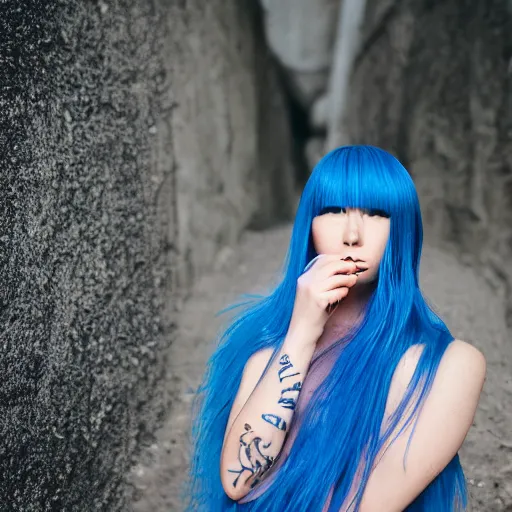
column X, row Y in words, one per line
column 152, row 153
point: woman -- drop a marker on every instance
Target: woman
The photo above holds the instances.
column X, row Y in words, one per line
column 341, row 390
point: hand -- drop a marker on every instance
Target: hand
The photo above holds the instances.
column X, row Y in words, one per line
column 325, row 282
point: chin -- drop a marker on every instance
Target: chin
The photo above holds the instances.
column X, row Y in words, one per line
column 365, row 279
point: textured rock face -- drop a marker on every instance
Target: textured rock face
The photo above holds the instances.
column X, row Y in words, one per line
column 432, row 83
column 130, row 138
column 301, row 34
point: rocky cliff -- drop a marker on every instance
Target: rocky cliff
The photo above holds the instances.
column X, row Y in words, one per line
column 138, row 138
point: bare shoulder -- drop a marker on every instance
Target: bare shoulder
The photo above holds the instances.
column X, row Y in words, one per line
column 462, row 363
column 463, row 353
column 462, row 367
column 441, row 427
column 458, row 354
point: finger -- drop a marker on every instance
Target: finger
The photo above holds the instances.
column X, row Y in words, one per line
column 322, row 259
column 338, row 267
column 334, row 297
column 331, row 308
column 312, row 262
column 338, row 281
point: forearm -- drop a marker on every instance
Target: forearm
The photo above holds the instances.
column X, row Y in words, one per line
column 258, row 433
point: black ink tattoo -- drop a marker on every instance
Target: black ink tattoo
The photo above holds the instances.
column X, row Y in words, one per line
column 252, row 458
column 288, row 402
column 284, row 361
column 275, row 420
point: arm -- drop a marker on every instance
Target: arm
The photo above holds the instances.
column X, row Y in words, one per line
column 442, row 426
column 255, row 437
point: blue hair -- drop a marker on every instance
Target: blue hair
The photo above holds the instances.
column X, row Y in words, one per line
column 347, row 408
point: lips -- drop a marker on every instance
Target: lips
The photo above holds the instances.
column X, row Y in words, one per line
column 361, row 266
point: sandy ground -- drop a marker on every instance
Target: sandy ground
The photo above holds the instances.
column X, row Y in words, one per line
column 470, row 307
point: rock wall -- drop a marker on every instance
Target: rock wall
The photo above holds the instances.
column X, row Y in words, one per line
column 433, row 83
column 301, row 34
column 131, row 138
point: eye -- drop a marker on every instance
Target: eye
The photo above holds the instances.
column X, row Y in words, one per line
column 373, row 212
column 332, row 209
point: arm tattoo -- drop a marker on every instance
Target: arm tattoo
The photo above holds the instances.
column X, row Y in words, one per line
column 285, row 363
column 251, row 457
column 275, row 420
column 287, row 402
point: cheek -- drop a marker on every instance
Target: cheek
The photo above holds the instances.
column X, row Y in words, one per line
column 379, row 240
column 382, row 246
column 323, row 237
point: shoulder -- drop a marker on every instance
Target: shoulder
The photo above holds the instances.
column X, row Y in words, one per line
column 461, row 353
column 461, row 372
column 441, row 427
column 458, row 354
column 462, row 367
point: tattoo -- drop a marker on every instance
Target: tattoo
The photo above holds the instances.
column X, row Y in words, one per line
column 275, row 420
column 287, row 402
column 285, row 363
column 251, row 457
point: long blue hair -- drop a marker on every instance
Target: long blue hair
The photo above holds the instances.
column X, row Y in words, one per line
column 347, row 409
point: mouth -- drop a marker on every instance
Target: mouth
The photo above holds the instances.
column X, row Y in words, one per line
column 361, row 266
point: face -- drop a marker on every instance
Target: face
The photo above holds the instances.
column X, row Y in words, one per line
column 352, row 232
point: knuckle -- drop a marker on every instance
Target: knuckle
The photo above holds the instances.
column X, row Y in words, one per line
column 302, row 281
column 323, row 303
column 343, row 292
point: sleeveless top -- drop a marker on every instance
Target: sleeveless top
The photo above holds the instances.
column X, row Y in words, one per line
column 321, row 364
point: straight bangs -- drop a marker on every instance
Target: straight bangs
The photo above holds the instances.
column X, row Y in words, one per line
column 363, row 177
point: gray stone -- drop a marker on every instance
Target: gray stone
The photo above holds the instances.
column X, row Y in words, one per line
column 131, row 136
column 318, row 113
column 301, row 32
column 307, row 87
column 432, row 84
column 315, row 150
column 348, row 39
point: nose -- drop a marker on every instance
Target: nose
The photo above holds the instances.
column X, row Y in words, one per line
column 353, row 229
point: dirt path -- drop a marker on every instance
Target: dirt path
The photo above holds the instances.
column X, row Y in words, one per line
column 471, row 309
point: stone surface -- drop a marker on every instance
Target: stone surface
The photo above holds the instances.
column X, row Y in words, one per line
column 233, row 165
column 306, row 87
column 318, row 113
column 130, row 138
column 432, row 84
column 315, row 150
column 301, row 32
